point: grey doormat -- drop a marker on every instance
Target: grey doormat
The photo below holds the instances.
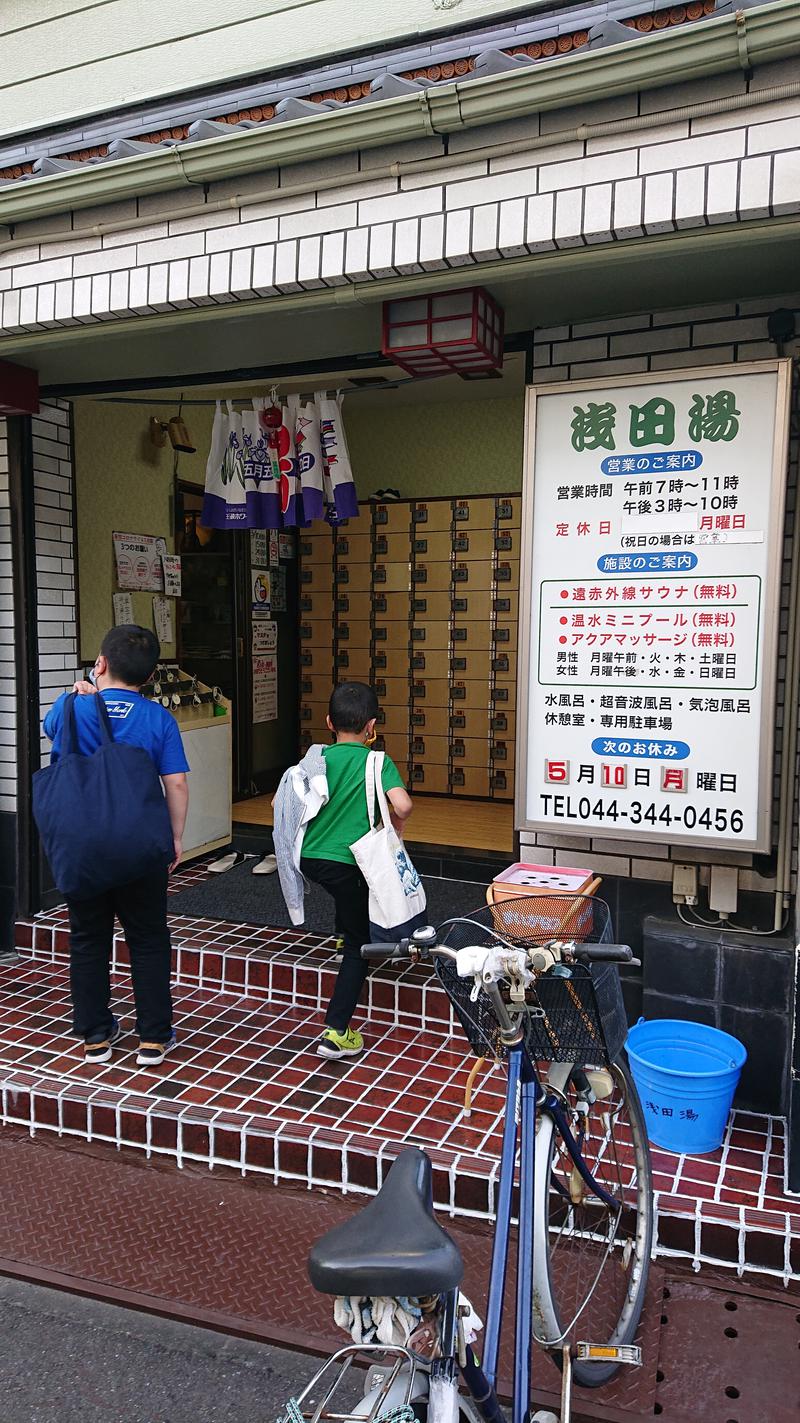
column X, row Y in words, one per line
column 240, row 897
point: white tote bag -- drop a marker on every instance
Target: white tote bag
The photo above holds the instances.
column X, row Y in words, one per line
column 396, row 896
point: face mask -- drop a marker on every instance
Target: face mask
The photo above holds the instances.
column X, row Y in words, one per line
column 93, row 677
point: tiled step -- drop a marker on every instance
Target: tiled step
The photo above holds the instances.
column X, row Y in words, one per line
column 285, row 966
column 245, row 1089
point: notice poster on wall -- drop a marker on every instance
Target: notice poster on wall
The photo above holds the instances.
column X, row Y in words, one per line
column 278, row 590
column 273, row 548
column 171, row 565
column 265, row 688
column 162, row 620
column 260, row 590
column 265, row 636
column 138, row 558
column 286, row 545
column 123, row 609
column 259, row 548
column 651, row 575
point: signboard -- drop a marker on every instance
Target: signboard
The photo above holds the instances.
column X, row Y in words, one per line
column 259, row 547
column 265, row 689
column 171, row 566
column 260, row 590
column 265, row 636
column 651, row 548
column 123, row 609
column 138, row 558
column 162, row 620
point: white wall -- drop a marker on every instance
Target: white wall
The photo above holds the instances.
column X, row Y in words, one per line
column 62, row 60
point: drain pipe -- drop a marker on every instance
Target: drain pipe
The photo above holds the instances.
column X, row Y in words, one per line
column 445, row 164
column 787, row 782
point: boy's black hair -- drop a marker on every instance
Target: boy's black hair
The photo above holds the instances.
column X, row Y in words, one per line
column 351, row 706
column 132, row 654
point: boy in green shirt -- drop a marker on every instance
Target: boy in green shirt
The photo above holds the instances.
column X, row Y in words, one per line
column 328, row 860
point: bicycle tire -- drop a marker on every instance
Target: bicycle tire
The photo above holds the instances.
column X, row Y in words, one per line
column 577, row 1284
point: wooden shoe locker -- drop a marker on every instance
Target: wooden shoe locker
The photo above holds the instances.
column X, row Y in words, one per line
column 420, row 598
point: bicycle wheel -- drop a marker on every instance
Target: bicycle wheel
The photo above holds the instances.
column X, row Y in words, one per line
column 591, row 1261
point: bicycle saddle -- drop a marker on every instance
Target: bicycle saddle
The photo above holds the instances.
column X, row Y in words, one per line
column 394, row 1246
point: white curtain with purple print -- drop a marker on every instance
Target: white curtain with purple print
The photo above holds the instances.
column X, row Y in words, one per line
column 225, row 505
column 304, row 474
column 336, row 457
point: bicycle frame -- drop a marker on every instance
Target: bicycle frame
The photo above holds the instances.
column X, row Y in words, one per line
column 525, row 1096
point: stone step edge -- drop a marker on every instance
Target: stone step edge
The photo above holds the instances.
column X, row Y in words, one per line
column 324, row 1158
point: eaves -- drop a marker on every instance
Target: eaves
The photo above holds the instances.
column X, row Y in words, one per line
column 678, row 55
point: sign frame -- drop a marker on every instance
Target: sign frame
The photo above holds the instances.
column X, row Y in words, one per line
column 762, row 843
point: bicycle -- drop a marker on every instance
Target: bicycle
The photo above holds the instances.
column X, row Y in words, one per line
column 584, row 1189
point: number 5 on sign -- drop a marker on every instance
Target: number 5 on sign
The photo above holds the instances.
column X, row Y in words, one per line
column 556, row 773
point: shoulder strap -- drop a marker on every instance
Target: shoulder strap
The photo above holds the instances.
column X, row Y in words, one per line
column 106, row 732
column 369, row 785
column 380, row 757
column 69, row 734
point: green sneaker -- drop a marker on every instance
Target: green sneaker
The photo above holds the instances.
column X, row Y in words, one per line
column 346, row 1044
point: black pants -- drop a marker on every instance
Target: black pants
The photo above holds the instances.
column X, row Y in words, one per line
column 348, row 889
column 141, row 908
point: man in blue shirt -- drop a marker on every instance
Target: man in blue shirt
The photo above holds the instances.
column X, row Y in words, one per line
column 128, row 657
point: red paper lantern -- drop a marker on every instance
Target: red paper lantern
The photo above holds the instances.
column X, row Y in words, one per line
column 459, row 331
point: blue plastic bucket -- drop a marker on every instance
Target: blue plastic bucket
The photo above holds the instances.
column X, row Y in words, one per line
column 686, row 1074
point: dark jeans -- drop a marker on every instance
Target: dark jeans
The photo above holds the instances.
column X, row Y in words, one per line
column 348, row 889
column 141, row 908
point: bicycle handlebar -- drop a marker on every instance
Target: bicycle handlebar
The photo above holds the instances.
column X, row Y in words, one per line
column 603, row 953
column 584, row 953
column 386, row 951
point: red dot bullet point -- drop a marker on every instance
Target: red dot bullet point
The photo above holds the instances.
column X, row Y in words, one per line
column 563, row 622
column 564, row 593
column 562, row 639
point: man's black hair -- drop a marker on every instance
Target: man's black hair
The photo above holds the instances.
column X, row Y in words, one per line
column 351, row 706
column 131, row 653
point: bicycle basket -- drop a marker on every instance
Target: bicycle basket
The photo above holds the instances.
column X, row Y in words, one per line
column 577, row 1019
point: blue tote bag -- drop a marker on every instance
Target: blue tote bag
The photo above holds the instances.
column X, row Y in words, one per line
column 102, row 818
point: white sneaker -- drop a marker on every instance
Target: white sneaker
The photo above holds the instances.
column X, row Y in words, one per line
column 228, row 862
column 267, row 865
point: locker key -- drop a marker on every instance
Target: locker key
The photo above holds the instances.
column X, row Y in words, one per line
column 502, row 573
column 418, row 691
column 418, row 634
column 502, row 605
column 379, row 603
column 343, row 603
column 461, row 510
column 461, row 543
column 502, row 634
column 460, row 605
column 419, row 605
column 461, row 573
column 458, row 692
column 500, row 694
column 419, row 575
column 342, row 574
column 504, row 510
column 500, row 722
column 380, row 660
column 458, row 720
column 417, row 718
column 458, row 664
column 379, row 573
column 381, row 544
column 504, row 542
column 419, row 515
column 420, row 545
column 379, row 634
column 458, row 748
column 418, row 662
column 458, row 775
column 459, row 634
column 501, row 663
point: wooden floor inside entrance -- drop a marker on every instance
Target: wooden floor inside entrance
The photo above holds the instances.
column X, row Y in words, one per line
column 436, row 820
